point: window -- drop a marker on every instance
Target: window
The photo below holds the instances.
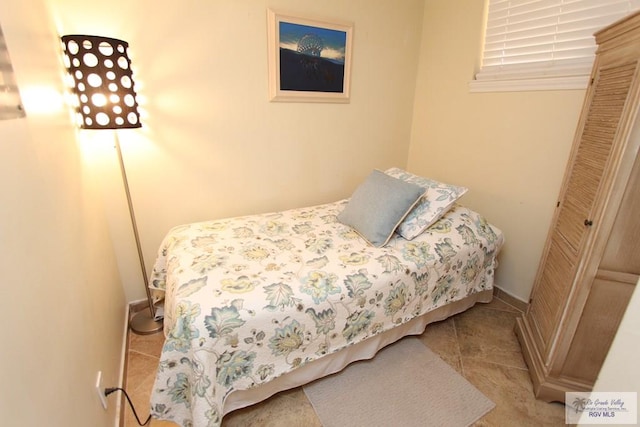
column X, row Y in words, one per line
column 10, row 105
column 543, row 44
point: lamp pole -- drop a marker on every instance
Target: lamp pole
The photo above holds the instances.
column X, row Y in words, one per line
column 143, row 322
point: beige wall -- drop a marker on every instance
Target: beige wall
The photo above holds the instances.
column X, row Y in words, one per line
column 62, row 307
column 212, row 144
column 510, row 149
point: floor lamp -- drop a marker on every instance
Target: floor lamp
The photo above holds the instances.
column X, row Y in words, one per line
column 101, row 75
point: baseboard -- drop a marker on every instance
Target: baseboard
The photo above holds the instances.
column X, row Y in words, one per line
column 513, row 301
column 119, row 421
column 136, row 306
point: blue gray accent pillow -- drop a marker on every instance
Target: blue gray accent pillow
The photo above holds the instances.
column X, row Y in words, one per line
column 378, row 205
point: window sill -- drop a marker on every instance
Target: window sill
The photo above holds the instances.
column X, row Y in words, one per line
column 526, row 85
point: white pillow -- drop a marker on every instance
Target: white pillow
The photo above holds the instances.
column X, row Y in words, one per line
column 438, row 199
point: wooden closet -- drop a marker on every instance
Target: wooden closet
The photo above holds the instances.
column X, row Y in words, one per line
column 591, row 261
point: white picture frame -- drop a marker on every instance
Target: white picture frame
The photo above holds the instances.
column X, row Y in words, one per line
column 309, row 58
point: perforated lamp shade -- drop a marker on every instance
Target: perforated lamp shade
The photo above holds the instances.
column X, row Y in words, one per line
column 101, row 76
column 102, row 80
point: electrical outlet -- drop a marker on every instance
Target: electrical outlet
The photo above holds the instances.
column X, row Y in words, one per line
column 100, row 390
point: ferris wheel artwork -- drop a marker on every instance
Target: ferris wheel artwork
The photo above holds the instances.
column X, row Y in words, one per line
column 309, row 59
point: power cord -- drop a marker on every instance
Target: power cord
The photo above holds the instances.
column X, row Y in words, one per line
column 108, row 391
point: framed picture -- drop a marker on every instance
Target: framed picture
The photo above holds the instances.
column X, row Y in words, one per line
column 309, row 59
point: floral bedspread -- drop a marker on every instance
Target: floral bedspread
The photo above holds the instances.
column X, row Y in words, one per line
column 248, row 299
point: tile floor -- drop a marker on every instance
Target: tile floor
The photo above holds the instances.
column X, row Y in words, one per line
column 479, row 343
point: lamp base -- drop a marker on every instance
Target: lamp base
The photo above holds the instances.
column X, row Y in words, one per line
column 143, row 324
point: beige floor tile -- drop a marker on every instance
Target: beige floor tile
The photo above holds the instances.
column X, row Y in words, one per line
column 141, row 372
column 511, row 390
column 487, row 334
column 441, row 338
column 289, row 408
column 143, row 356
column 148, row 344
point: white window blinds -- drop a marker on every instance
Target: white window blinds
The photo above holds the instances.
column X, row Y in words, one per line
column 543, row 44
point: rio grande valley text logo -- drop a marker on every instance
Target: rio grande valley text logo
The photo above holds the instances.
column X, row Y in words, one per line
column 601, row 408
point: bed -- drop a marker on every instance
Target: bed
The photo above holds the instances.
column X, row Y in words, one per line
column 259, row 304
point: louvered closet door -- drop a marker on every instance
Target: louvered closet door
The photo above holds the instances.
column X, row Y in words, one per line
column 609, row 95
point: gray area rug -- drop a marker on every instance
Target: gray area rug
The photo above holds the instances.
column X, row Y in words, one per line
column 405, row 384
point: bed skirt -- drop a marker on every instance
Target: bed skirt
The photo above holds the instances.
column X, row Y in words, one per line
column 363, row 350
